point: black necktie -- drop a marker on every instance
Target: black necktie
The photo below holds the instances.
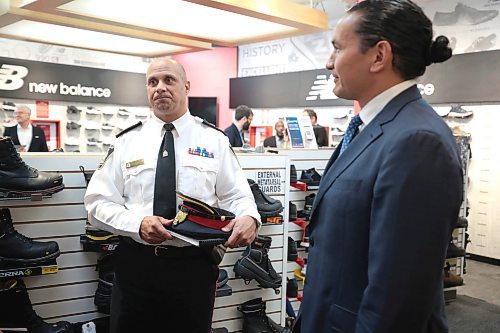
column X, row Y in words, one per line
column 164, row 198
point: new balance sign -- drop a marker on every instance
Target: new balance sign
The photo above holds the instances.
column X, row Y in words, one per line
column 11, row 77
column 322, row 88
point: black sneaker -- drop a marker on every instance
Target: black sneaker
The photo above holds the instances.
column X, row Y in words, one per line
column 311, row 177
column 72, row 125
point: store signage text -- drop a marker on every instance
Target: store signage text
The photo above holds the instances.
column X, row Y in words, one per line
column 270, row 181
column 65, row 89
column 426, row 89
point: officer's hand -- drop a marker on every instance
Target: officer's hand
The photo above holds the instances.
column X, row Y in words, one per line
column 244, row 231
column 153, row 229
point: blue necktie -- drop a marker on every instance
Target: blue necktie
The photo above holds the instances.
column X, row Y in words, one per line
column 351, row 132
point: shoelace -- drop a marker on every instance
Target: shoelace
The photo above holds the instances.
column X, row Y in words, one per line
column 19, row 161
column 11, row 230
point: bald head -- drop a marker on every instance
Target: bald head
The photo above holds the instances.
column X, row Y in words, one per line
column 167, row 88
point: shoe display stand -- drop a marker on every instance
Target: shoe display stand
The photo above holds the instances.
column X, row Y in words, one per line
column 69, row 294
column 303, row 160
column 456, row 265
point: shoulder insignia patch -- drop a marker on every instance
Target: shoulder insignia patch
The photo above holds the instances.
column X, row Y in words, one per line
column 139, row 123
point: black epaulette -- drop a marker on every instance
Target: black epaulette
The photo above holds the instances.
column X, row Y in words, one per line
column 209, row 124
column 139, row 123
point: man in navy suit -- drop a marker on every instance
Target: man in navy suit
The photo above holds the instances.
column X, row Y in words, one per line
column 243, row 116
column 26, row 136
column 387, row 202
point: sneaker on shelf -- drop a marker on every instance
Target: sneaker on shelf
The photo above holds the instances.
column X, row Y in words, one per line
column 108, row 112
column 442, row 111
column 92, row 110
column 73, row 125
column 337, row 131
column 142, row 114
column 93, row 142
column 123, row 112
column 464, row 15
column 107, row 127
column 8, row 106
column 308, row 204
column 311, row 177
column 71, row 109
column 459, row 112
column 72, row 142
column 267, row 206
column 454, row 251
column 222, row 278
column 482, row 43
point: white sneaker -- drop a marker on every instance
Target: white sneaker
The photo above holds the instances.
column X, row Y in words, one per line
column 107, row 127
column 123, row 113
column 92, row 110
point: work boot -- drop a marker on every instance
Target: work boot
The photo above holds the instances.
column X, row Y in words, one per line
column 102, row 298
column 462, row 222
column 17, row 311
column 292, row 211
column 254, row 263
column 450, row 279
column 16, row 248
column 19, row 180
column 311, row 177
column 267, row 206
column 308, row 205
column 255, row 319
column 222, row 278
column 292, row 287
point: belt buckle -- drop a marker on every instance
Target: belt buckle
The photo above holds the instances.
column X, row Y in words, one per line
column 157, row 253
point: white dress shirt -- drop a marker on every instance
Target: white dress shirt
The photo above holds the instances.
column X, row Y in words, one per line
column 120, row 195
column 25, row 135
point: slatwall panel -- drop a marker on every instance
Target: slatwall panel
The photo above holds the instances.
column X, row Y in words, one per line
column 68, row 294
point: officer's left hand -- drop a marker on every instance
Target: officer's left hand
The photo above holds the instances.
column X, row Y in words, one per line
column 244, row 231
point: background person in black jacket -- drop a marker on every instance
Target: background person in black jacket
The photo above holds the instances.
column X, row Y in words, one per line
column 319, row 131
column 25, row 135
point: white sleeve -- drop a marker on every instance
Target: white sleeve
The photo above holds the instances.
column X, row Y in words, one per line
column 105, row 203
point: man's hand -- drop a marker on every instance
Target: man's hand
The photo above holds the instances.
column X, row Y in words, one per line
column 153, row 230
column 244, row 231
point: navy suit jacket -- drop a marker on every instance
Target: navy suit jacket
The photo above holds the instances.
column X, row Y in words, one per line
column 38, row 141
column 234, row 136
column 270, row 141
column 380, row 225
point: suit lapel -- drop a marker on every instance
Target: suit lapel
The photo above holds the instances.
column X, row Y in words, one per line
column 362, row 141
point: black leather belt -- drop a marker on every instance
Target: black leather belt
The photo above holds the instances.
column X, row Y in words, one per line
column 165, row 251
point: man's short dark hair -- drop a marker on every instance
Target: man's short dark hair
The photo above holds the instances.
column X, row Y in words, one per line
column 242, row 111
column 311, row 113
column 407, row 29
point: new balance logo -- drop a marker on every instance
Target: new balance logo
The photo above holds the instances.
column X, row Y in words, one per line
column 11, row 77
column 322, row 88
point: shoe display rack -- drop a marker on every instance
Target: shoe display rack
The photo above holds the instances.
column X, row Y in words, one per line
column 455, row 263
column 70, row 294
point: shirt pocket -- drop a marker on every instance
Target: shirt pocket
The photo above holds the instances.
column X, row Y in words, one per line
column 138, row 185
column 197, row 177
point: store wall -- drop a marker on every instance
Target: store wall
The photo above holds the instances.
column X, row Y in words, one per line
column 209, row 73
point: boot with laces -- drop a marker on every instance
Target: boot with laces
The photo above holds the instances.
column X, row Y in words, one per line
column 18, row 249
column 17, row 311
column 267, row 206
column 19, row 180
column 255, row 319
column 255, row 264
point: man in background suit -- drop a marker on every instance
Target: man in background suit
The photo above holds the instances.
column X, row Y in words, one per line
column 387, row 201
column 319, row 131
column 243, row 116
column 28, row 137
column 278, row 140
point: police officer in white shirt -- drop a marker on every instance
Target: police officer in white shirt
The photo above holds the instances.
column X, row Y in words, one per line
column 172, row 290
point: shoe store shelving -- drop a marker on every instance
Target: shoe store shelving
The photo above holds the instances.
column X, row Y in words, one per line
column 69, row 294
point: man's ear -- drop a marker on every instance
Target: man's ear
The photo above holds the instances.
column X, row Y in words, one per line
column 188, row 87
column 382, row 56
